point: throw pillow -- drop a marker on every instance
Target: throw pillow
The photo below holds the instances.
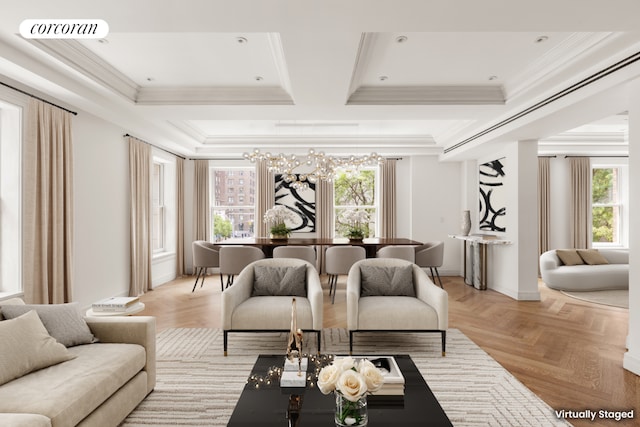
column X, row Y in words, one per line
column 25, row 346
column 279, row 281
column 569, row 256
column 592, row 256
column 386, row 281
column 63, row 321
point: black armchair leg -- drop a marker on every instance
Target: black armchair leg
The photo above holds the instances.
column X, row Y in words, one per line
column 225, row 340
column 350, row 343
column 199, row 270
column 439, row 279
column 444, row 342
column 319, row 340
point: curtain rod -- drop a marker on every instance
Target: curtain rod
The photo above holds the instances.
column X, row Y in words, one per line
column 599, row 156
column 38, row 98
column 155, row 146
column 554, row 156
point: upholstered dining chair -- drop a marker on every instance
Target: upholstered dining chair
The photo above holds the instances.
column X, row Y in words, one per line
column 338, row 260
column 431, row 255
column 400, row 252
column 260, row 299
column 394, row 295
column 233, row 259
column 205, row 255
column 307, row 253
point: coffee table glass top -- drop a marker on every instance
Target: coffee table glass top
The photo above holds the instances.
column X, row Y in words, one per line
column 267, row 404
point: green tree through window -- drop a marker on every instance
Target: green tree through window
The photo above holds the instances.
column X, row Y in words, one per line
column 605, row 207
column 355, row 191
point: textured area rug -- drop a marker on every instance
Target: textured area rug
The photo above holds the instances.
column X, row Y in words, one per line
column 198, row 386
column 615, row 298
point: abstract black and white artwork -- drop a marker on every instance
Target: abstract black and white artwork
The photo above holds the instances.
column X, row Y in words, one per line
column 301, row 202
column 492, row 196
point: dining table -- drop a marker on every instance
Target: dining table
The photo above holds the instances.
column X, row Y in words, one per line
column 370, row 244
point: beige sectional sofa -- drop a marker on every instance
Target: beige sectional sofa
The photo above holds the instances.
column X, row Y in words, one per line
column 99, row 386
column 581, row 276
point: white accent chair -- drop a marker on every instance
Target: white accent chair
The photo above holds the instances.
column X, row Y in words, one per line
column 338, row 260
column 233, row 259
column 205, row 255
column 399, row 252
column 307, row 253
column 428, row 311
column 242, row 312
column 431, row 255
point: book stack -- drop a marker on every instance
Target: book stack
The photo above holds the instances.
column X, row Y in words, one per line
column 392, row 391
column 115, row 304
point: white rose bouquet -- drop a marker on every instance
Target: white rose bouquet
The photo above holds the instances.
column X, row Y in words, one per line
column 352, row 380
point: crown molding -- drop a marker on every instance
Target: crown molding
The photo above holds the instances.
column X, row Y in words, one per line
column 427, row 95
column 363, row 57
column 587, row 138
column 83, row 60
column 279, row 61
column 213, row 96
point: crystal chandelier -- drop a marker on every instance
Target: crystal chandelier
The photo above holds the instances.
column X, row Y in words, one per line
column 317, row 165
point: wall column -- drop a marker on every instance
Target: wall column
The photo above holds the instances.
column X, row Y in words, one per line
column 632, row 357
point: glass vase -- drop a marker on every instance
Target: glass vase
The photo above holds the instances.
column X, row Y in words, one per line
column 348, row 413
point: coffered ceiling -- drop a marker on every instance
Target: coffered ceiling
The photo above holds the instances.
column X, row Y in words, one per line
column 215, row 79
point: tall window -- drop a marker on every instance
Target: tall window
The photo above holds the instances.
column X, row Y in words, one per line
column 233, row 207
column 158, row 223
column 606, row 208
column 356, row 192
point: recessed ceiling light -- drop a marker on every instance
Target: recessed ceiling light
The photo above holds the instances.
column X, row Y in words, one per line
column 259, row 78
column 241, row 40
column 542, row 39
column 401, row 39
column 150, row 79
column 383, row 78
column 493, row 77
column 103, row 41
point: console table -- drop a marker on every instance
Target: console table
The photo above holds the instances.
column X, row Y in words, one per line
column 478, row 244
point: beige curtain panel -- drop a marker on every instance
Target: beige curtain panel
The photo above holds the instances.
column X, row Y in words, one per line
column 48, row 205
column 580, row 202
column 388, row 198
column 201, row 226
column 324, row 216
column 265, row 183
column 543, row 204
column 180, row 267
column 140, row 219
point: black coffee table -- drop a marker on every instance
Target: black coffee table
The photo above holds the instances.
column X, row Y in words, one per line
column 267, row 405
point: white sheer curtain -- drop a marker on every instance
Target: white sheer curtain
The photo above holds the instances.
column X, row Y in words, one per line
column 543, row 204
column 201, row 226
column 140, row 193
column 265, row 190
column 48, row 205
column 180, row 267
column 324, row 216
column 388, row 198
column 580, row 202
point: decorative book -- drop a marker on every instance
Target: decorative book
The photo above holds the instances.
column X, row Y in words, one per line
column 115, row 304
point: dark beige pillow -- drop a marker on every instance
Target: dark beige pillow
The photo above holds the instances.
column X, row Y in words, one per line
column 63, row 321
column 592, row 257
column 386, row 281
column 26, row 346
column 569, row 256
column 279, row 281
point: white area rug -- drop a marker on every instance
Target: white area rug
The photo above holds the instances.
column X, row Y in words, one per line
column 616, row 298
column 198, row 386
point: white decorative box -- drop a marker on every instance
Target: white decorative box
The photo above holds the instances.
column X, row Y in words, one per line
column 291, row 379
column 293, row 366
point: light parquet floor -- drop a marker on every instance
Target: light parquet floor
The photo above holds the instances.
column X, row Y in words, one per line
column 567, row 351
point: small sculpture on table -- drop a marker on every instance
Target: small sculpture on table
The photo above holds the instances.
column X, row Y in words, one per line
column 294, row 360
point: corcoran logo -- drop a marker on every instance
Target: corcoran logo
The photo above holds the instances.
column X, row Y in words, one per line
column 64, row 29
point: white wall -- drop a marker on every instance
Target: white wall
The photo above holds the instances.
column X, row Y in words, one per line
column 101, row 220
column 429, row 205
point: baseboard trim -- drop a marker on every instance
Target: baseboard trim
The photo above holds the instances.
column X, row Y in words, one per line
column 631, row 363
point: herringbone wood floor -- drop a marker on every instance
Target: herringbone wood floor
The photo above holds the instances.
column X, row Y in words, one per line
column 566, row 351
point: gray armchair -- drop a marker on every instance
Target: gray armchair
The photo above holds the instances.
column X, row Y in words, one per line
column 205, row 255
column 374, row 303
column 233, row 259
column 244, row 311
column 431, row 256
column 307, row 253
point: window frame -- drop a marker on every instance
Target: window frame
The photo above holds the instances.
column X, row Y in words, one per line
column 161, row 190
column 375, row 218
column 217, row 188
column 621, row 204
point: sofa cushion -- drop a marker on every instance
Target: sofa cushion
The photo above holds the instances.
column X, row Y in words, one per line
column 592, row 257
column 279, row 281
column 395, row 313
column 271, row 313
column 68, row 392
column 386, row 281
column 569, row 256
column 63, row 321
column 26, row 346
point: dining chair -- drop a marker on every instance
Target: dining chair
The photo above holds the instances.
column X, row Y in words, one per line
column 431, row 255
column 399, row 252
column 338, row 260
column 205, row 255
column 307, row 253
column 233, row 259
